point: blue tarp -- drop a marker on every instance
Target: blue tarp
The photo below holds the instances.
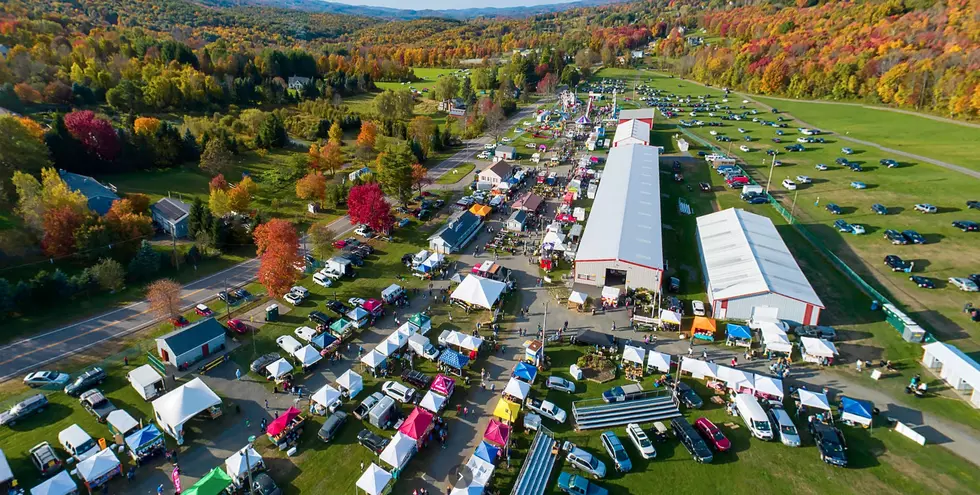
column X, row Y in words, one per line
column 739, row 332
column 323, row 340
column 525, row 371
column 856, row 407
column 453, row 359
column 142, row 437
column 486, row 452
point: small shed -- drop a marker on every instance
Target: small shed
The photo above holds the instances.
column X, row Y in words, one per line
column 505, row 153
column 192, row 343
column 516, row 220
column 147, row 382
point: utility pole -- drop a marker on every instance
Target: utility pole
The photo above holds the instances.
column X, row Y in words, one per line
column 248, row 467
column 771, row 166
column 793, row 210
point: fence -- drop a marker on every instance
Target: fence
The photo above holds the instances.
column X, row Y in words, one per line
column 838, row 263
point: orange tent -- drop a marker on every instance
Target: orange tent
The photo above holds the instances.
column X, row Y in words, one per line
column 704, row 328
column 480, row 210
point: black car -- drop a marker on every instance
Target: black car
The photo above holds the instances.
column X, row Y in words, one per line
column 923, row 282
column 974, row 205
column 33, row 404
column 228, row 297
column 264, row 360
column 337, row 307
column 966, row 225
column 757, row 199
column 895, row 263
column 914, row 237
column 372, row 441
column 423, row 215
column 354, row 259
column 438, row 204
column 855, row 166
column 320, row 318
column 795, row 147
column 416, row 378
column 896, row 237
column 833, row 208
column 816, row 331
column 705, row 187
column 332, row 426
column 688, row 396
column 879, row 209
column 888, row 162
column 262, row 484
column 85, row 381
column 830, row 443
column 407, row 260
column 841, row 161
column 674, row 304
column 691, row 440
column 242, row 294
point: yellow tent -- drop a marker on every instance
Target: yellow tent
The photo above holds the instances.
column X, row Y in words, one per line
column 704, row 328
column 506, row 410
column 480, row 210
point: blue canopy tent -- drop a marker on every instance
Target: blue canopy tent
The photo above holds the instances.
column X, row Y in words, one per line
column 453, row 360
column 487, row 452
column 145, row 442
column 854, row 411
column 739, row 335
column 525, row 372
column 324, row 341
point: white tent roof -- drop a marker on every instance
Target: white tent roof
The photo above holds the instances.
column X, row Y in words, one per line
column 744, row 255
column 121, row 420
column 635, row 129
column 479, row 291
column 577, row 297
column 59, row 484
column 625, row 220
column 818, row 347
column 633, row 354
column 517, row 388
column 769, row 385
column 374, row 480
column 470, row 342
column 776, row 339
column 955, row 362
column 407, row 329
column 308, row 355
column 698, row 368
column 659, row 361
column 435, row 259
column 432, row 402
column 398, row 451
column 279, row 368
column 736, row 378
column 185, row 402
column 670, row 316
column 97, row 465
column 454, row 337
column 325, row 396
column 637, row 113
column 235, row 465
column 814, row 399
column 144, row 376
column 554, row 241
column 397, row 338
column 350, row 380
column 373, row 358
column 5, row 472
column 610, row 292
column 386, row 348
column 481, row 469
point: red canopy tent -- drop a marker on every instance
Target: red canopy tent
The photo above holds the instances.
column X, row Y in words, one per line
column 417, row 425
column 279, row 424
column 497, row 433
column 372, row 306
column 443, row 385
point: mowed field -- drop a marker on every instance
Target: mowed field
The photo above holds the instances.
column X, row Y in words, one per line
column 428, row 77
column 948, row 252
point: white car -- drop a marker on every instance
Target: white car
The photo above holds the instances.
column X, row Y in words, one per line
column 293, row 298
column 857, row 229
column 547, row 409
column 789, row 184
column 399, row 392
column 741, row 130
column 803, row 179
column 484, row 155
column 505, row 139
column 713, row 133
column 964, row 284
column 802, row 140
column 322, row 279
column 697, row 307
column 641, row 441
column 355, row 301
column 302, row 291
column 489, row 146
column 364, row 231
column 744, row 148
column 926, row 208
column 559, row 383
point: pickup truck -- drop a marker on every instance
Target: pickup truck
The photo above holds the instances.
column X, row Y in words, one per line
column 547, row 409
column 622, row 394
column 578, row 485
column 94, row 402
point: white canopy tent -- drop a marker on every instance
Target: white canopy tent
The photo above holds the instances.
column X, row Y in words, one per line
column 407, row 329
column 398, row 339
column 399, row 451
column 237, row 467
column 122, row 421
column 699, row 369
column 818, row 348
column 470, row 342
column 373, row 358
column 182, row 404
column 479, row 291
column 610, row 292
column 279, row 369
column 769, row 386
column 59, row 484
column 554, row 241
column 432, row 402
column 308, row 355
column 326, row 396
column 578, row 297
column 634, row 354
column 517, row 388
column 659, row 361
column 454, row 338
column 481, row 470
column 669, row 316
column 776, row 340
column 814, row 399
column 350, row 382
column 736, row 379
column 374, row 480
column 98, row 465
column 386, row 348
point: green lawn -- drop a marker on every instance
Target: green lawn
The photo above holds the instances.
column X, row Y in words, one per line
column 457, row 174
column 427, row 75
column 946, row 141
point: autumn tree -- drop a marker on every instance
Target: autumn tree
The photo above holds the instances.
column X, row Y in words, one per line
column 336, row 134
column 547, row 84
column 495, row 121
column 109, row 274
column 420, row 176
column 218, row 182
column 277, row 246
column 60, row 224
column 321, row 239
column 96, row 135
column 20, row 150
column 395, row 170
column 366, row 138
column 219, row 203
column 421, row 129
column 333, row 157
column 312, row 187
column 366, row 204
column 146, row 125
column 216, row 158
column 315, row 157
column 394, row 104
column 163, row 297
column 239, row 198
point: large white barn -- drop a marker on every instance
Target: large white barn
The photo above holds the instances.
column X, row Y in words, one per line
column 746, row 265
column 623, row 241
column 631, row 132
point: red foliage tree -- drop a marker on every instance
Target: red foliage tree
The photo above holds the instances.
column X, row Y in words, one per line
column 60, row 224
column 278, row 245
column 547, row 84
column 367, row 204
column 274, row 235
column 218, row 182
column 97, row 135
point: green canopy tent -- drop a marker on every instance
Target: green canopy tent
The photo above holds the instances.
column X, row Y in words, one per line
column 212, row 483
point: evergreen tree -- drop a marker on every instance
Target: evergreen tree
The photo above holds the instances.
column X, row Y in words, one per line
column 145, row 264
column 272, row 133
column 195, row 216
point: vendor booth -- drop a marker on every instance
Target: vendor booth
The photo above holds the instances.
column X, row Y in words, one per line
column 386, row 348
column 815, row 400
column 506, row 410
column 307, row 356
column 350, row 384
column 341, row 328
column 326, row 343
column 856, row 412
column 59, row 484
column 534, row 352
column 147, row 382
column 399, row 450
column 121, row 424
column 658, row 361
column 279, row 371
column 373, row 306
column 213, row 483
column 738, row 335
column 398, row 338
column 497, row 433
column 374, row 481
column 517, row 390
column 577, row 300
column 818, row 351
column 285, row 430
column 670, row 320
column 704, row 328
column 699, row 369
column 452, row 362
column 433, row 402
column 99, row 469
column 610, row 296
column 417, row 426
column 471, row 343
column 525, row 372
column 183, row 403
column 478, row 292
column 486, row 452
column 241, row 463
column 443, row 385
column 481, row 469
column 359, row 317
column 736, row 379
column 420, row 322
column 768, row 387
column 776, row 341
column 145, row 443
column 633, row 362
column 324, row 401
column 374, row 360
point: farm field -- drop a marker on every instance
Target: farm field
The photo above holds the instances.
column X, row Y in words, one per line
column 428, row 76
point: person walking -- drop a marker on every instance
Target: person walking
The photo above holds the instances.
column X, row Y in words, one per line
column 238, row 374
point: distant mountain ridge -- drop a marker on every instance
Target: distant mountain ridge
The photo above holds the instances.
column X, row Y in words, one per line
column 319, row 6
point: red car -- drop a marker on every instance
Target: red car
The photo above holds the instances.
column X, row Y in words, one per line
column 715, row 438
column 340, row 244
column 179, row 321
column 236, row 325
column 203, row 310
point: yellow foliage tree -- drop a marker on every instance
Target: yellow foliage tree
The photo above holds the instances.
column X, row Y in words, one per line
column 146, row 126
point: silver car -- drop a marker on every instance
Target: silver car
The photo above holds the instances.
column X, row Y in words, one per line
column 784, row 425
column 559, row 383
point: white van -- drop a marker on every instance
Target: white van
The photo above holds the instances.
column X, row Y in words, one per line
column 320, row 278
column 76, row 442
column 753, row 415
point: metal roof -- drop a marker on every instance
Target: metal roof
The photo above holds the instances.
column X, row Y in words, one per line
column 632, row 128
column 86, row 185
column 625, row 220
column 192, row 336
column 637, row 113
column 744, row 255
column 171, row 209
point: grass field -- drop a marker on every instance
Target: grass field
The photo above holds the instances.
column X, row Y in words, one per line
column 427, row 75
column 459, row 173
column 946, row 141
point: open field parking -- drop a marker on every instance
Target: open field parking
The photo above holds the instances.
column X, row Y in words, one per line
column 427, row 75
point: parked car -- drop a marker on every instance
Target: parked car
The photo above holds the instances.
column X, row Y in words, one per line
column 795, row 147
column 580, row 459
column 364, row 231
column 262, row 361
column 691, row 440
column 293, row 298
column 888, row 162
column 821, row 167
column 227, row 298
column 622, row 394
column 33, row 404
column 46, row 379
column 398, row 391
column 880, row 209
column 895, row 237
column 967, row 225
column 964, row 284
column 830, row 442
column 615, row 449
column 561, row 384
column 757, row 200
column 922, row 282
column 895, row 263
column 263, row 484
column 372, row 441
column 319, row 318
column 816, row 331
column 914, row 237
column 858, row 185
column 688, row 396
column 355, row 302
column 803, row 179
column 547, row 409
column 45, row 459
column 789, row 184
column 697, row 307
column 336, row 306
column 833, row 208
column 323, row 278
column 973, row 205
column 926, row 208
column 97, row 404
column 237, row 326
column 842, row 225
column 574, row 484
column 89, row 379
column 744, row 148
column 712, row 435
column 782, row 423
column 332, row 426
column 857, row 229
column 847, row 151
column 417, row 378
column 641, row 441
column 704, row 186
column 179, row 321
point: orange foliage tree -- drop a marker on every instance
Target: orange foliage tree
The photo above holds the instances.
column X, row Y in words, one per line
column 277, row 245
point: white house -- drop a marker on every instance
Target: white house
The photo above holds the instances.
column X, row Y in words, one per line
column 298, row 83
column 496, row 173
column 505, row 153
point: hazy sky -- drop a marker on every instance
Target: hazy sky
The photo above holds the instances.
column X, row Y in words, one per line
column 448, row 4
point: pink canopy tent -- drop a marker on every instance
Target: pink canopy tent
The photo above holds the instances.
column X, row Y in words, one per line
column 373, row 306
column 443, row 385
column 279, row 424
column 417, row 425
column 497, row 433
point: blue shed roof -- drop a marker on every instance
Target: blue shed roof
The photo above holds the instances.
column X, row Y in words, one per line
column 97, row 193
column 193, row 336
column 458, row 227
